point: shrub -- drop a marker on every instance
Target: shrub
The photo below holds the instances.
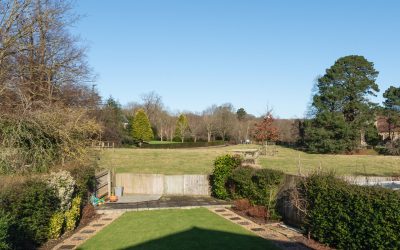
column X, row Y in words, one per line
column 31, row 204
column 242, row 204
column 258, row 212
column 72, row 216
column 393, row 148
column 7, row 230
column 64, row 185
column 84, row 175
column 223, row 167
column 240, row 183
column 351, row 217
column 41, row 139
column 56, row 225
column 259, row 186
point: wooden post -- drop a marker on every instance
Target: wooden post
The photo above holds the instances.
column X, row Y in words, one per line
column 109, row 182
column 299, row 165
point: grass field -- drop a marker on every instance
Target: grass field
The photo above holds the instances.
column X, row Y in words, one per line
column 200, row 161
column 194, row 229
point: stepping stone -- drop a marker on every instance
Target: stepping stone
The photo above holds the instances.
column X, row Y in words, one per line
column 220, row 210
column 244, row 223
column 235, row 218
column 98, row 225
column 87, row 231
column 108, row 219
column 226, row 214
column 67, row 247
column 258, row 229
column 78, row 238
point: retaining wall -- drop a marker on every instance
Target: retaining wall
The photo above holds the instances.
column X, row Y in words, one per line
column 163, row 184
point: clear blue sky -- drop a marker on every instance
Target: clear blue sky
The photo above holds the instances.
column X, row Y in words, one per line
column 249, row 53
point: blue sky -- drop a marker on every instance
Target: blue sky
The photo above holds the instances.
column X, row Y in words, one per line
column 252, row 54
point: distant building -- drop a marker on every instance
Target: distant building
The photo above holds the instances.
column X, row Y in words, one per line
column 383, row 129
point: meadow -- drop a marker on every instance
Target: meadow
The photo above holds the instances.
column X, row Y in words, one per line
column 200, row 161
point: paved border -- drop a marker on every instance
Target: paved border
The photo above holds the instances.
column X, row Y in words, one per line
column 85, row 233
column 281, row 235
column 166, row 202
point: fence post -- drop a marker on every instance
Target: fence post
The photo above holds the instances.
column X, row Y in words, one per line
column 109, row 182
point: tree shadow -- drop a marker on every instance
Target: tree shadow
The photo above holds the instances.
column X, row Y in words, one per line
column 204, row 239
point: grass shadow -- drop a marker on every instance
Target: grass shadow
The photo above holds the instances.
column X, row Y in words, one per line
column 205, row 239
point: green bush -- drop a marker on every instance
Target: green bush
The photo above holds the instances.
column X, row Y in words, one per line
column 84, row 175
column 241, row 185
column 56, row 225
column 223, row 167
column 72, row 216
column 351, row 217
column 7, row 230
column 259, row 186
column 32, row 204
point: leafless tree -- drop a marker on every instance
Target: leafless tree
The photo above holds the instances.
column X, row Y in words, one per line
column 195, row 124
column 225, row 118
column 209, row 121
column 39, row 58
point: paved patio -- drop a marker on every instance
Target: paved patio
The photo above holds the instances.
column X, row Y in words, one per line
column 163, row 202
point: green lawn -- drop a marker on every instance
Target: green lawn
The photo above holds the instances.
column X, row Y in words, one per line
column 163, row 161
column 287, row 160
column 200, row 161
column 175, row 230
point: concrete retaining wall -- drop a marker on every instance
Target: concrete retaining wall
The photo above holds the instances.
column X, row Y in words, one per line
column 163, row 184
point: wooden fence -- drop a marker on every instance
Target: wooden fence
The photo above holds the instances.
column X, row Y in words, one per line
column 103, row 183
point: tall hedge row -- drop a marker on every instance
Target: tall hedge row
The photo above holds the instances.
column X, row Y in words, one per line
column 351, row 217
column 184, row 145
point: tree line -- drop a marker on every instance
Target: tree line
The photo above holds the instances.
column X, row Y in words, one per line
column 217, row 122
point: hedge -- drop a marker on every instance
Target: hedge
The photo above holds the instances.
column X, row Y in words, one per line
column 31, row 211
column 346, row 216
column 259, row 186
column 223, row 167
column 184, row 145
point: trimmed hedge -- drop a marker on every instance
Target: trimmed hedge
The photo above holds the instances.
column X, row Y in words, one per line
column 223, row 167
column 259, row 186
column 184, row 145
column 31, row 211
column 32, row 205
column 351, row 217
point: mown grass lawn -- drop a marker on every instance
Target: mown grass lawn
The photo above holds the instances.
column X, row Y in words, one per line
column 194, row 229
column 200, row 161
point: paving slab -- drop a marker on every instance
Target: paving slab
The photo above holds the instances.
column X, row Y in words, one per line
column 79, row 237
column 164, row 203
column 281, row 235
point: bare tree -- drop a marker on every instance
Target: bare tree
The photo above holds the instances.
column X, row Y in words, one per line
column 209, row 121
column 39, row 58
column 196, row 125
column 225, row 119
column 152, row 105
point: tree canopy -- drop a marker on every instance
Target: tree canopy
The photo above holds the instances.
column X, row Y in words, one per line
column 141, row 128
column 182, row 127
column 342, row 105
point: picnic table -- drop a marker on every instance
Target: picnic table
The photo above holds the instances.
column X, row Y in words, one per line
column 247, row 153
